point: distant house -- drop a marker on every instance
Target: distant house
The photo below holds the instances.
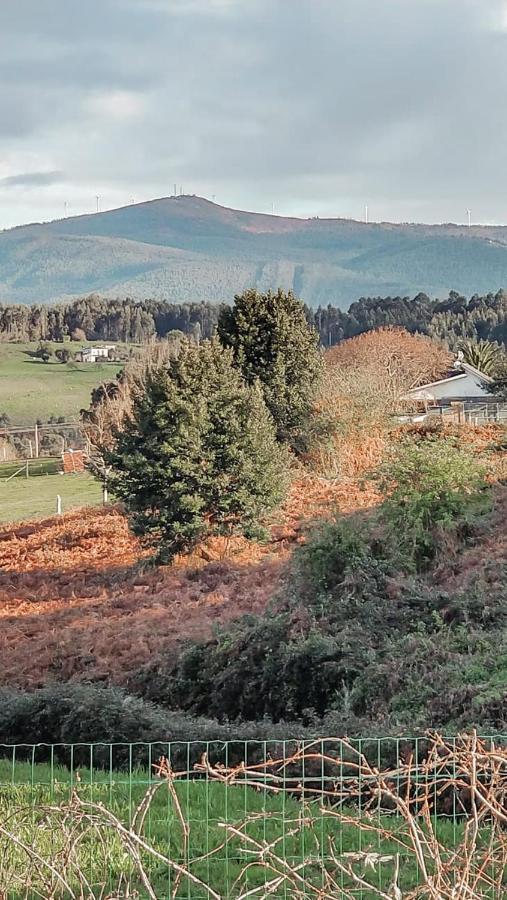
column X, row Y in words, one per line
column 466, row 385
column 93, row 354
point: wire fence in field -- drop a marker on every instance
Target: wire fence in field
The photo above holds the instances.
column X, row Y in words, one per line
column 329, row 818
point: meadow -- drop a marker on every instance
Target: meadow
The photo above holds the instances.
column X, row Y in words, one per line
column 35, row 497
column 30, row 795
column 31, row 389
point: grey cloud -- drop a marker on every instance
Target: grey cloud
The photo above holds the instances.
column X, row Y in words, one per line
column 319, row 105
column 31, row 179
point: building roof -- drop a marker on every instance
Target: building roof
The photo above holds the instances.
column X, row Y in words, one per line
column 468, row 370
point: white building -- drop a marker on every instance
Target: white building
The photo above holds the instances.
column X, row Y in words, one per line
column 92, row 354
column 467, row 385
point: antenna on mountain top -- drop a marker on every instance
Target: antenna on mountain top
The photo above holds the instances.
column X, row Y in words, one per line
column 469, row 214
column 97, row 198
column 181, row 190
column 213, row 198
column 366, row 214
column 175, row 190
column 273, row 208
column 65, row 209
column 132, row 200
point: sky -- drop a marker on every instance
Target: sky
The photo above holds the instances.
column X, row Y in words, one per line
column 307, row 107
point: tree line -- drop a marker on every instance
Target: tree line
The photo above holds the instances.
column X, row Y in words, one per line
column 457, row 318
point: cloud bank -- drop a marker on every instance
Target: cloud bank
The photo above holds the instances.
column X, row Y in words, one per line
column 315, row 106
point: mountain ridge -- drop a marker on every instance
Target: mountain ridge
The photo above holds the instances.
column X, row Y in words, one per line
column 188, row 248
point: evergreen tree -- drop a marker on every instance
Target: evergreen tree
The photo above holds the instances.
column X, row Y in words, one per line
column 272, row 342
column 198, row 456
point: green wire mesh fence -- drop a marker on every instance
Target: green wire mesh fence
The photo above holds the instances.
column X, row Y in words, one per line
column 326, row 818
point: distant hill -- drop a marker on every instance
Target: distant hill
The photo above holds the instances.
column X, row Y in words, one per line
column 186, row 248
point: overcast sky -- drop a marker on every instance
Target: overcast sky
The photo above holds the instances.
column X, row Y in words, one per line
column 315, row 106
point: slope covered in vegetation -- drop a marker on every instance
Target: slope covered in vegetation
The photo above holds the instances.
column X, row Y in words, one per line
column 371, row 597
column 186, row 248
column 69, row 614
column 68, row 611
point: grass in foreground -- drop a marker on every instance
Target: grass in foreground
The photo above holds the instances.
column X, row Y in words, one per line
column 35, row 497
column 204, row 806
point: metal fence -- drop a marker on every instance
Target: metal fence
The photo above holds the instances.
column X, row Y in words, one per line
column 207, row 815
column 40, row 441
column 487, row 413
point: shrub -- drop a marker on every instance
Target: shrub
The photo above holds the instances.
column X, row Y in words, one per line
column 302, row 657
column 261, row 668
column 198, row 455
column 430, row 487
column 332, row 549
column 352, row 645
column 65, row 714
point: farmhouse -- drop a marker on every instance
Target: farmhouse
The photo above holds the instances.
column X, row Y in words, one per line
column 466, row 385
column 92, row 354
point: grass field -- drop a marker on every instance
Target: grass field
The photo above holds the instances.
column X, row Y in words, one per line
column 35, row 497
column 204, row 806
column 31, row 389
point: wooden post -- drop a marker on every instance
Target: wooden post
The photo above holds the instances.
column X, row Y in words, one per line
column 27, row 473
column 36, row 433
column 458, row 411
column 58, row 505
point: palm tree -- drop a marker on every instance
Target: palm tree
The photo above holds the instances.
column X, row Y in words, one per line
column 482, row 355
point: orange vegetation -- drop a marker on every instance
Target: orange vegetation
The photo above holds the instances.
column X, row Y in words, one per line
column 73, row 606
column 77, row 602
column 393, row 355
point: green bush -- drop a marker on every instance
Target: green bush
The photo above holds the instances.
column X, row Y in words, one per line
column 353, row 644
column 302, row 657
column 334, row 548
column 65, row 714
column 431, row 489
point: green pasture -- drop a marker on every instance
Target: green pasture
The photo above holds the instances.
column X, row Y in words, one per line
column 35, row 497
column 31, row 389
column 217, row 858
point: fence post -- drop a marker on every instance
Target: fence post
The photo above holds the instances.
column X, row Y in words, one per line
column 58, row 505
column 26, row 470
column 36, row 435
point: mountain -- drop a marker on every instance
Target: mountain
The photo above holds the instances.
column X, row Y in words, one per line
column 186, row 248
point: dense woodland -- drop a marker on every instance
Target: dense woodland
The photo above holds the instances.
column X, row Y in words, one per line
column 98, row 318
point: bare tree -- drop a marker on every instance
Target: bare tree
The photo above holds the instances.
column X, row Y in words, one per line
column 393, row 360
column 111, row 402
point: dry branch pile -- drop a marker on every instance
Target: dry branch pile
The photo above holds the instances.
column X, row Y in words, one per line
column 400, row 855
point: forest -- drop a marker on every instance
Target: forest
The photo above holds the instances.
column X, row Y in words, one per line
column 131, row 321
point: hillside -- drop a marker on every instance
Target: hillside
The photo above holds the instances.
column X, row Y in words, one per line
column 103, row 620
column 187, row 248
column 31, row 389
column 69, row 612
